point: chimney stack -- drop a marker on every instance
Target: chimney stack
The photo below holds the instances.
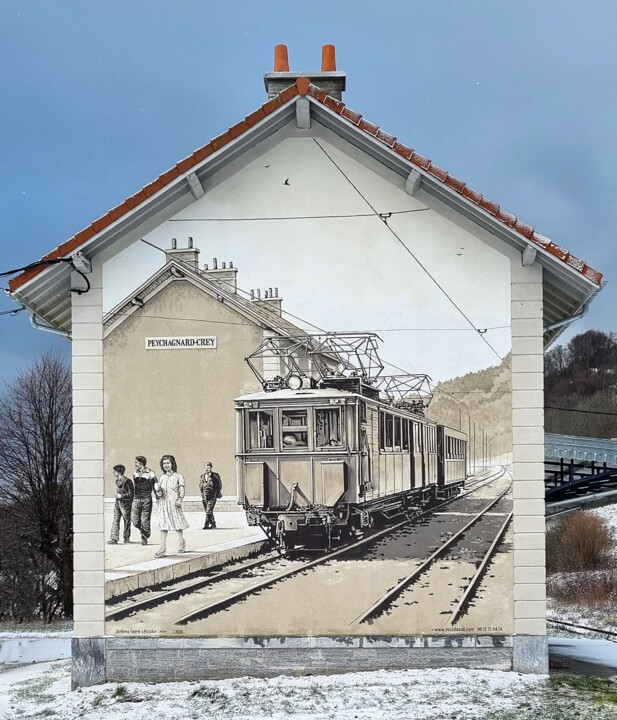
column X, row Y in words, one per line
column 188, row 255
column 281, row 61
column 329, row 79
column 270, row 300
column 224, row 277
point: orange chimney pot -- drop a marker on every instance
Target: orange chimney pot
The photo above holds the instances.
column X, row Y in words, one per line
column 281, row 60
column 328, row 58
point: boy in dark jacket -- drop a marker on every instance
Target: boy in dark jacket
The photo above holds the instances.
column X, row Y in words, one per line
column 122, row 509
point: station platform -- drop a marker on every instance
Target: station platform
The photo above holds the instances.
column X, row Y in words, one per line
column 132, row 566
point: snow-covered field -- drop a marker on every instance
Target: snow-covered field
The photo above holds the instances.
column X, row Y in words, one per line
column 609, row 514
column 42, row 691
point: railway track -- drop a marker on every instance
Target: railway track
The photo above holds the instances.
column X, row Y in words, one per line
column 256, row 575
column 609, row 634
column 386, row 600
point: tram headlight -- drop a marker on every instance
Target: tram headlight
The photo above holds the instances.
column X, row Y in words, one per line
column 294, row 382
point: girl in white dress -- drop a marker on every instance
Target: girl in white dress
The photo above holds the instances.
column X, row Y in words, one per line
column 169, row 491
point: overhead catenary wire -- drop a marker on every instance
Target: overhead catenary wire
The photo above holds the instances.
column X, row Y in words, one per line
column 586, row 412
column 306, row 322
column 332, row 216
column 407, row 249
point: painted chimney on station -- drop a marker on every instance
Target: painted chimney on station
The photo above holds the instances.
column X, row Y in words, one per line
column 188, row 255
column 224, row 275
column 270, row 300
column 329, row 79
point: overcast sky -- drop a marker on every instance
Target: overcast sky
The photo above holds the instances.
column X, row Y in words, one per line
column 98, row 98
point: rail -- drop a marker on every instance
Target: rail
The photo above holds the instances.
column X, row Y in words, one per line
column 386, row 600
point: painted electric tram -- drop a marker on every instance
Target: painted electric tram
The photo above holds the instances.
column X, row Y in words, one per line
column 320, row 459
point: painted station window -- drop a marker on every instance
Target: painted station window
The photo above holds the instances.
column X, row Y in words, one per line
column 294, row 429
column 328, row 427
column 260, row 430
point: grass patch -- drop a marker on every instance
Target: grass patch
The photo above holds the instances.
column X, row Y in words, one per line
column 212, row 694
column 598, row 689
column 121, row 694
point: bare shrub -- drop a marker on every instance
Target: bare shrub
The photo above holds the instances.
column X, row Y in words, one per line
column 581, row 541
column 585, row 588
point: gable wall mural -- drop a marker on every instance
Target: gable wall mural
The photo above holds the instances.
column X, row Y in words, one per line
column 361, row 469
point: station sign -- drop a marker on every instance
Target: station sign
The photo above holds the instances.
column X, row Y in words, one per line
column 189, row 342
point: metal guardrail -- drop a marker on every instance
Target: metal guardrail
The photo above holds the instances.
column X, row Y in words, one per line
column 566, row 479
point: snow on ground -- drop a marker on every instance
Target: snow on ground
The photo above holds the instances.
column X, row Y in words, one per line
column 422, row 694
column 609, row 514
column 40, row 691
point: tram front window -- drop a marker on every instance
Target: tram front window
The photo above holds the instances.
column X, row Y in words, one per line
column 260, row 430
column 328, row 427
column 294, row 429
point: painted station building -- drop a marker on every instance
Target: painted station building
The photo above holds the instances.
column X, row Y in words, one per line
column 306, row 194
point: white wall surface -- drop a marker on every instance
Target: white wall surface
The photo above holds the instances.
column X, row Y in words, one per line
column 344, row 273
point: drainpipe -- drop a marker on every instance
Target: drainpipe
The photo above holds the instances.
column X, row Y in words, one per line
column 569, row 320
column 47, row 328
column 579, row 315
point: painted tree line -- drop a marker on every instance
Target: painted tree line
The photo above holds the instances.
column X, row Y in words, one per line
column 36, row 552
column 581, row 378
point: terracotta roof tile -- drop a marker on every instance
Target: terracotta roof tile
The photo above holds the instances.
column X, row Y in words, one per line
column 272, row 104
column 303, row 86
column 438, row 172
column 524, row 229
column 333, row 104
column 255, row 117
column 386, row 138
column 99, row 224
column 556, row 250
column 116, row 212
column 506, row 218
column 220, row 140
column 368, row 127
column 201, row 154
column 471, row 194
column 288, row 93
column 352, row 116
column 592, row 275
column 455, row 183
column 420, row 160
column 239, row 128
column 403, row 150
column 317, row 93
column 489, row 206
column 182, row 166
